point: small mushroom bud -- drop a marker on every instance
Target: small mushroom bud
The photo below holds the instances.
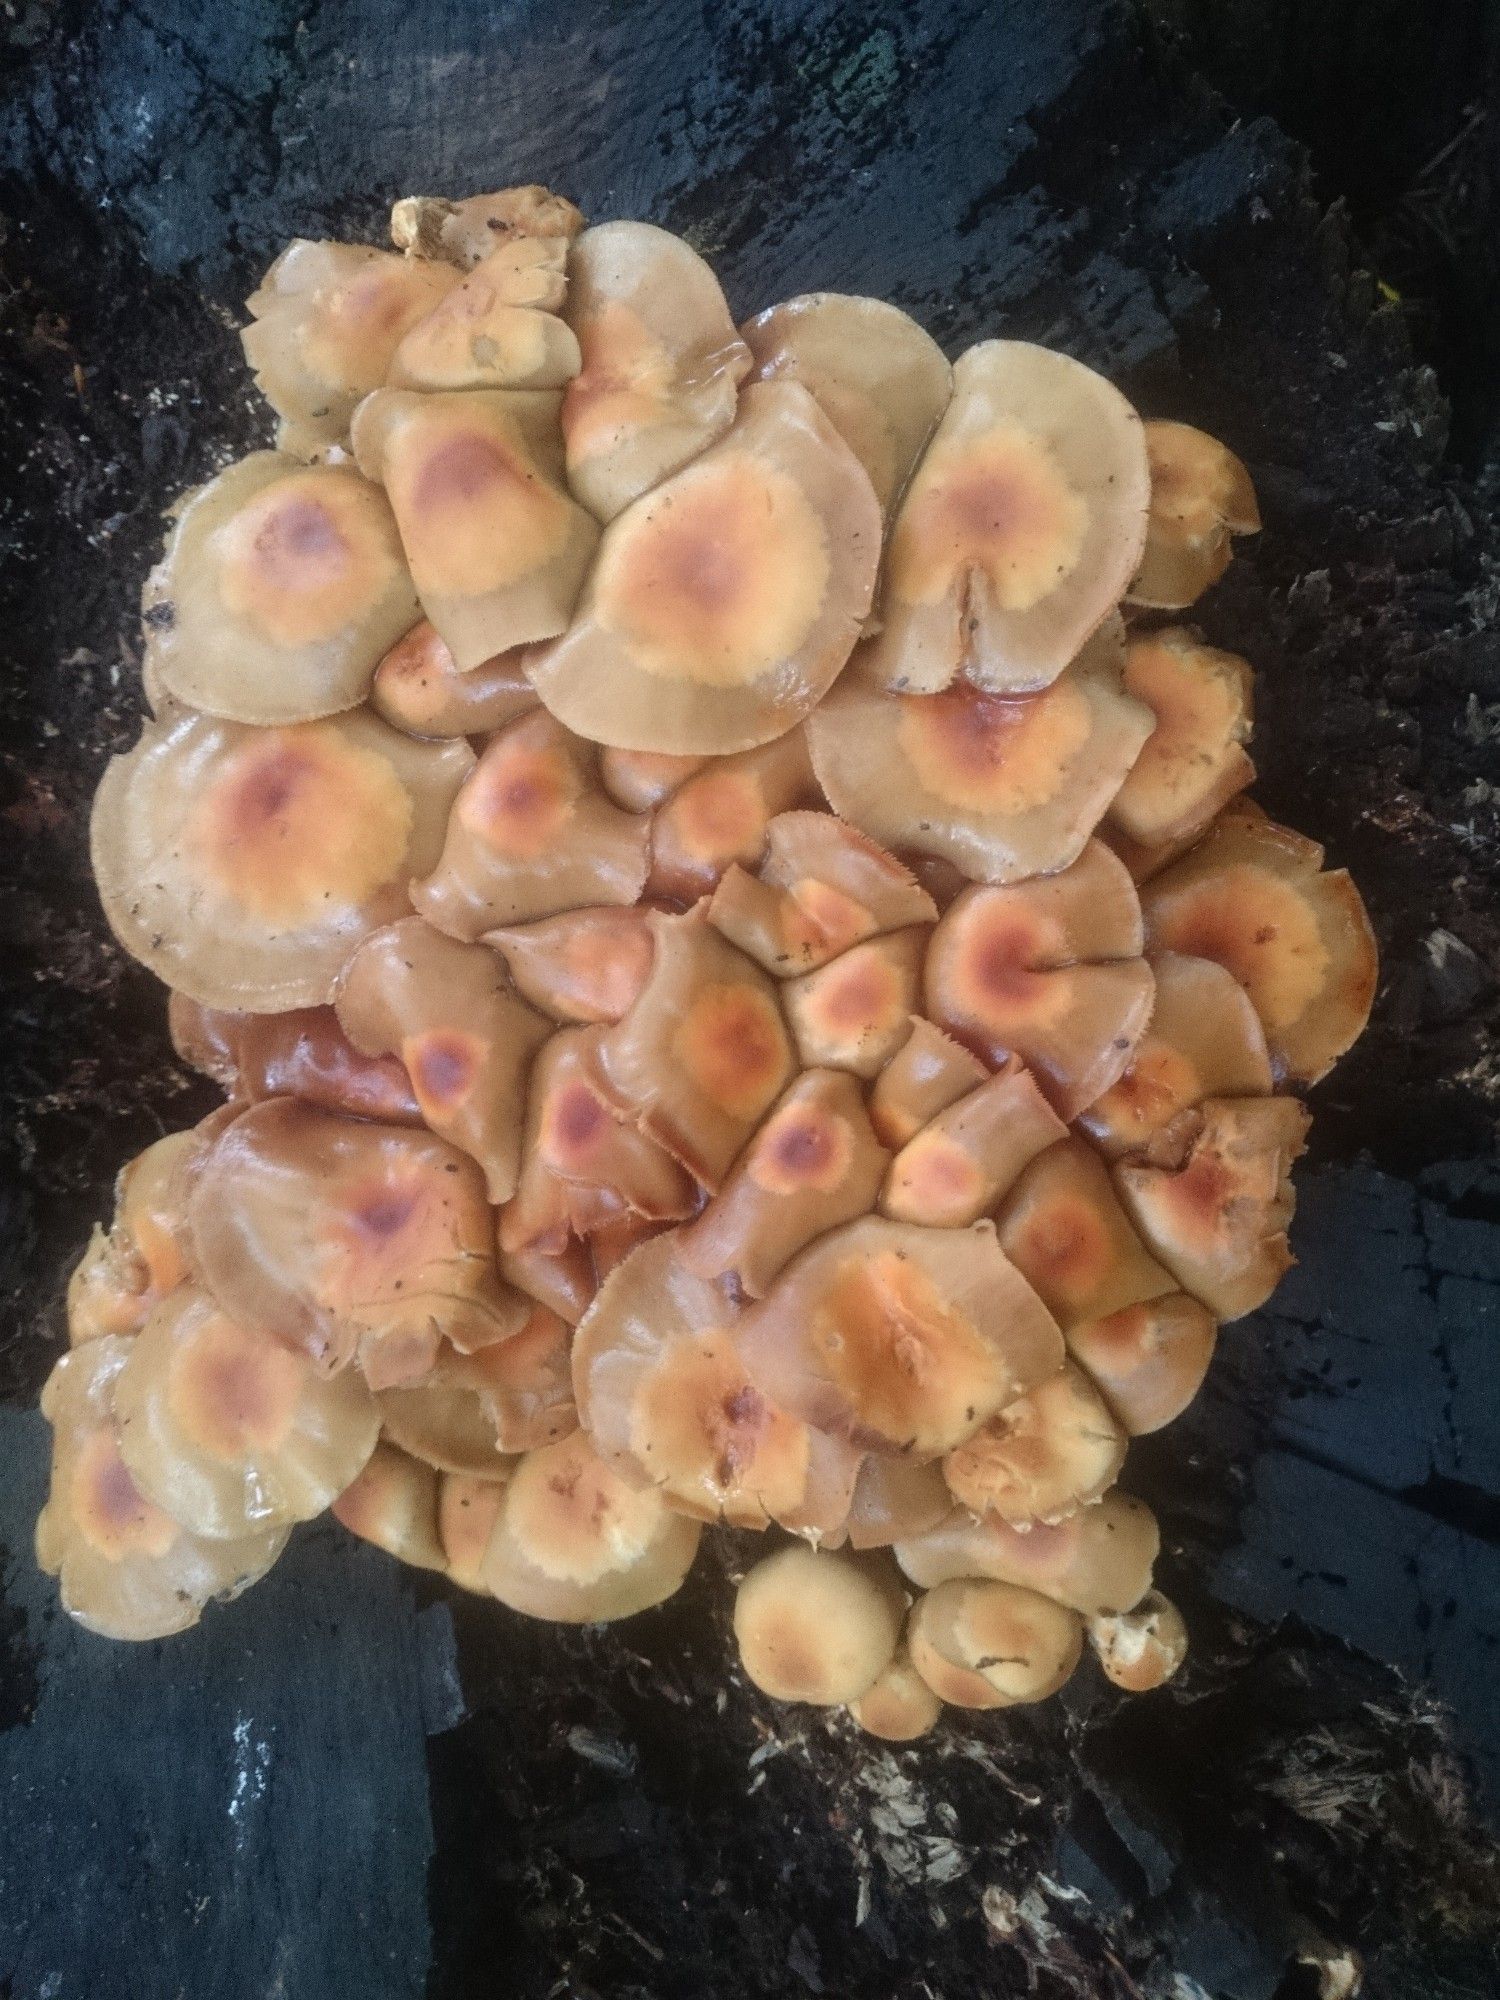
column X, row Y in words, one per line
column 1019, row 531
column 1098, row 1560
column 301, row 1053
column 1194, row 761
column 1063, row 1228
column 899, row 1706
column 894, row 1500
column 122, row 1277
column 394, row 1504
column 816, row 1627
column 1042, row 1457
column 855, row 1012
column 721, row 814
column 468, row 1508
column 464, row 233
column 418, row 688
column 980, row 1644
column 1142, row 1648
column 1201, row 496
column 472, row 1409
column 1148, row 1360
column 587, row 965
column 926, row 1074
column 640, row 780
column 961, row 1162
column 498, row 328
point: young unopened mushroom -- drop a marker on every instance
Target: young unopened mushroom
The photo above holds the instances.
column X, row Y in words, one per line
column 1042, row 1457
column 816, row 1627
column 473, row 1409
column 898, row 1706
column 127, row 1570
column 927, row 1073
column 1142, row 1648
column 882, row 381
column 586, row 965
column 532, row 834
column 418, row 688
column 1097, row 1561
column 496, row 545
column 394, row 1504
column 301, row 1053
column 125, row 1274
column 1047, row 970
column 281, row 587
column 1201, row 497
column 1063, row 1228
column 243, row 865
column 725, row 602
column 720, row 816
column 468, row 1508
column 1019, row 531
column 229, row 1430
column 1148, row 1360
column 562, row 1280
column 1212, row 1195
column 901, row 1339
column 1194, row 761
column 959, row 1164
column 576, row 1543
column 498, row 328
column 1250, row 896
column 1003, row 786
column 465, row 1039
column 349, row 1238
column 894, row 1500
column 982, row 1644
column 662, row 363
column 813, row 1164
column 465, row 232
column 854, row 1013
column 640, row 780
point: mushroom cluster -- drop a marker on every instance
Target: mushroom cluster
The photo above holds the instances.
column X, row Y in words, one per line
column 746, row 984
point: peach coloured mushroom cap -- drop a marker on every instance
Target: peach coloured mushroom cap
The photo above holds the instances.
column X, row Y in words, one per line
column 1148, row 1360
column 899, row 1706
column 562, row 1280
column 1001, row 786
column 496, row 545
column 1250, row 896
column 499, row 326
column 1194, row 761
column 882, row 381
column 642, row 779
column 123, row 1276
column 227, row 1429
column 244, row 865
column 1142, row 1648
column 127, row 1570
column 813, row 1164
column 894, row 1500
column 982, row 1644
column 1063, row 1228
column 723, row 604
column 468, row 1508
column 394, row 1504
column 302, row 1053
column 349, row 1238
column 446, row 1011
column 1042, row 1457
column 1020, row 530
column 466, row 232
column 901, row 1339
column 927, row 1073
column 958, row 1165
column 472, row 1409
column 662, row 363
column 1097, row 1561
column 1201, row 496
column 855, row 1012
column 1212, row 1196
column 585, row 965
column 418, row 688
column 531, row 834
column 576, row 1543
column 720, row 816
column 816, row 1627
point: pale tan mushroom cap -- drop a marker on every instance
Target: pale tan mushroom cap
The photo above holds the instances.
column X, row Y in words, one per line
column 394, row 1504
column 927, row 1073
column 854, row 1013
column 468, row 1508
column 499, row 326
column 587, row 965
column 465, row 232
column 418, row 688
column 1201, row 496
column 720, row 816
column 471, row 1412
column 957, row 1166
column 898, row 1706
column 1063, row 1227
column 1098, row 1560
column 1194, row 761
column 816, row 1627
column 1043, row 1456
column 1148, row 1360
column 123, row 1276
column 301, row 1053
column 1142, row 1648
column 982, row 1644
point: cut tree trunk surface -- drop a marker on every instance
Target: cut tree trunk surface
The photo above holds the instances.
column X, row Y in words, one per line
column 353, row 1782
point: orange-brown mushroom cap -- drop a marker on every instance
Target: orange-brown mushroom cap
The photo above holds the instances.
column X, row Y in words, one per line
column 585, row 965
column 243, row 865
column 816, row 1627
column 562, row 1280
column 301, row 1053
column 1064, row 1229
column 1142, row 1648
column 471, row 1410
column 725, row 602
column 465, row 232
column 394, row 1504
column 1043, row 1456
column 720, row 816
column 1201, row 496
column 1194, row 761
column 125, row 1274
column 1097, row 1561
column 982, row 1644
column 898, row 1706
column 1148, row 1360
column 498, row 328
column 959, row 1164
column 855, row 1012
column 642, row 779
column 1021, row 527
column 927, row 1073
column 418, row 688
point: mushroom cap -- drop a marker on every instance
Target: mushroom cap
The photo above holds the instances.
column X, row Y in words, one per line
column 982, row 1644
column 725, row 602
column 562, row 1280
column 1098, row 1560
column 958, row 1165
column 498, row 328
column 901, row 1339
column 122, row 1277
column 465, row 1039
column 349, row 1237
column 1148, row 1360
column 855, row 1012
column 662, row 363
column 1201, row 495
column 243, row 865
column 880, row 379
column 1019, row 531
column 1043, row 1456
column 927, row 1073
column 898, row 1706
column 1002, row 786
column 531, row 835
column 126, row 1568
column 1063, row 1228
column 468, row 1508
column 894, row 1500
column 301, row 1053
column 230, row 1431
column 471, row 1410
column 418, row 688
column 1194, row 761
column 466, row 232
column 1142, row 1648
column 817, row 894
column 720, row 816
column 577, row 1544
column 642, row 779
column 496, row 546
column 394, row 1504
column 816, row 1627
column 585, row 965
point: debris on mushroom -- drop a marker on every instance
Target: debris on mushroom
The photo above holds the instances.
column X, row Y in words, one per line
column 725, row 602
column 854, row 1013
column 418, row 688
column 895, row 1499
column 1043, row 1456
column 466, row 232
column 958, row 1165
column 125, row 1274
column 468, row 1508
column 1201, row 497
column 927, row 1073
column 640, row 780
column 473, row 1410
column 1194, row 761
column 982, row 1644
column 394, row 1504
column 816, row 1627
column 1148, row 1360
column 1063, row 1228
column 720, row 816
column 301, row 1053
column 243, row 865
column 1020, row 529
column 898, row 1706
column 662, row 363
column 1142, row 1648
column 1097, row 1561
column 498, row 328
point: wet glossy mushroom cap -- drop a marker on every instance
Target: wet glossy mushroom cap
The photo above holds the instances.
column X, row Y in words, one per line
column 899, row 1706
column 1063, row 1228
column 562, row 1280
column 981, row 1644
column 496, row 545
column 531, row 834
column 1047, row 970
column 724, row 603
column 1002, row 786
column 1148, row 1360
column 325, row 322
column 704, row 1052
column 468, row 1508
column 587, row 965
column 1142, row 1648
column 1250, row 896
column 123, row 1276
column 127, row 1570
column 229, row 1430
column 348, row 1237
column 244, row 865
column 927, row 1073
column 1194, row 761
column 854, row 1013
column 498, row 328
column 816, row 1627
column 1201, row 496
column 448, row 1013
column 894, row 1500
column 881, row 380
column 812, row 1165
column 720, row 816
column 1204, row 1039
column 576, row 1543
column 302, row 1053
column 662, row 362
column 1020, row 530
column 612, row 1242
column 901, row 1339
column 642, row 779
column 466, row 232
column 1043, row 1456
column 418, row 688
column 472, row 1409
column 958, row 1165
column 1099, row 1560
column 1212, row 1196
column 394, row 1504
